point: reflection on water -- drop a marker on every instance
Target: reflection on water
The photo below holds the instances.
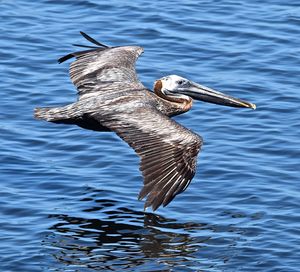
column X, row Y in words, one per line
column 126, row 239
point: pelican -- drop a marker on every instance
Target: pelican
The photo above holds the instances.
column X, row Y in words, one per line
column 111, row 98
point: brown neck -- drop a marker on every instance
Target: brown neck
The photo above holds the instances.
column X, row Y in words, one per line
column 180, row 103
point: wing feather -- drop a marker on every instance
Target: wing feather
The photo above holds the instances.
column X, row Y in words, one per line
column 104, row 68
column 168, row 151
column 114, row 97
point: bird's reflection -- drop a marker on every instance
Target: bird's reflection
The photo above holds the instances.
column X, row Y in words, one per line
column 123, row 239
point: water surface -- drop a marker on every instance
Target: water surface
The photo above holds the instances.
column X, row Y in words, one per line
column 69, row 196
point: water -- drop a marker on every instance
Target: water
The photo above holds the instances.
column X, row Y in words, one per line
column 68, row 196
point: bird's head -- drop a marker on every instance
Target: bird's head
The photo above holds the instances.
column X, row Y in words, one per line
column 179, row 87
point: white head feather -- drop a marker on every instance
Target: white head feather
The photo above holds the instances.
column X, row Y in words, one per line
column 172, row 82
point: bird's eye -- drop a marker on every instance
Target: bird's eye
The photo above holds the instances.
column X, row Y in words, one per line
column 180, row 82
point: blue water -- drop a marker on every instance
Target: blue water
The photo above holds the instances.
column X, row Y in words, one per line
column 69, row 196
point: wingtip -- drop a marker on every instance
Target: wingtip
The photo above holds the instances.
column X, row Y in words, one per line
column 154, row 204
column 92, row 40
column 64, row 58
column 83, row 34
column 147, row 205
column 154, row 200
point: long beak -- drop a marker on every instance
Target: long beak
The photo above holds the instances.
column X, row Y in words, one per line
column 206, row 94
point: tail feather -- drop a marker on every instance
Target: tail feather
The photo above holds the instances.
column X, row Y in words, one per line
column 70, row 114
column 57, row 115
column 48, row 114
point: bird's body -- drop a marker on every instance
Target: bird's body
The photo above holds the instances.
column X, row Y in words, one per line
column 111, row 98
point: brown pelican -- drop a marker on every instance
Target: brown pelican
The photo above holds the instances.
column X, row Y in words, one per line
column 111, row 98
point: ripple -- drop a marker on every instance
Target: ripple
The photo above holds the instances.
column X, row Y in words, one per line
column 69, row 196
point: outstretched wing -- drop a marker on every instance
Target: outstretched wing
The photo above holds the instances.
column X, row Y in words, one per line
column 168, row 151
column 104, row 69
